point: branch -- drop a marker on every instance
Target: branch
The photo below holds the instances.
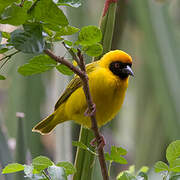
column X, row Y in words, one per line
column 94, row 126
column 7, row 58
column 91, row 106
column 72, row 53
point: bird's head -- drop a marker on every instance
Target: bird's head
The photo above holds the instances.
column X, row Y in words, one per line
column 118, row 62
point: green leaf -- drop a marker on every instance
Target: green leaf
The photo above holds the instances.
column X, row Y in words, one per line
column 37, row 64
column 69, row 168
column 83, row 146
column 161, row 166
column 5, row 35
column 144, row 169
column 67, row 30
column 32, row 173
column 48, row 12
column 57, row 173
column 5, row 3
column 93, row 50
column 142, row 175
column 173, row 151
column 29, row 40
column 4, row 48
column 115, row 155
column 64, row 70
column 175, row 165
column 125, row 176
column 68, row 43
column 71, row 3
column 2, row 77
column 41, row 162
column 12, row 168
column 89, row 35
column 14, row 15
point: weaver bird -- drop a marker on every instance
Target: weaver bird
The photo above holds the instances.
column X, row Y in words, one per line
column 108, row 81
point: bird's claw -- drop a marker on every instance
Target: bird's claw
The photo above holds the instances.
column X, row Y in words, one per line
column 90, row 112
column 101, row 142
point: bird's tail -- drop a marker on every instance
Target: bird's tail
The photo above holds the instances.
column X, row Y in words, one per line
column 46, row 125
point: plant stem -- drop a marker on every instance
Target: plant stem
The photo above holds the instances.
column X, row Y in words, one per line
column 46, row 175
column 91, row 106
column 109, row 168
column 7, row 58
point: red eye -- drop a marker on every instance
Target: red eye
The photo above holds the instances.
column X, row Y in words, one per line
column 116, row 65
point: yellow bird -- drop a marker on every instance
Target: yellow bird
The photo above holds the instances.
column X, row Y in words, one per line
column 108, row 81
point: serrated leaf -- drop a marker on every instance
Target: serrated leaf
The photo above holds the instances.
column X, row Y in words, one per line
column 29, row 40
column 37, row 64
column 89, row 35
column 2, row 77
column 125, row 176
column 41, row 162
column 160, row 166
column 64, row 70
column 116, row 155
column 93, row 50
column 57, row 173
column 12, row 168
column 68, row 167
column 14, row 15
column 67, row 30
column 71, row 3
column 175, row 165
column 48, row 12
column 173, row 151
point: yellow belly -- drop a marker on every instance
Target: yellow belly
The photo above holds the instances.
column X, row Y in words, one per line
column 108, row 94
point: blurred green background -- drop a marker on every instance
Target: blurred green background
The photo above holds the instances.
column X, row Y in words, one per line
column 150, row 118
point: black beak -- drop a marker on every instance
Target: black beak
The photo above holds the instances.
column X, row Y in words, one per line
column 127, row 70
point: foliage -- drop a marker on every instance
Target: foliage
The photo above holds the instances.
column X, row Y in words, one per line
column 61, row 170
column 42, row 168
column 170, row 171
column 43, row 23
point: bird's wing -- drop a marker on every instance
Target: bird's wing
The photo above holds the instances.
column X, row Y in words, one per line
column 74, row 84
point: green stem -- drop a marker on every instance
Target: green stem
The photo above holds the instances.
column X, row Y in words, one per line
column 109, row 168
column 7, row 58
column 46, row 175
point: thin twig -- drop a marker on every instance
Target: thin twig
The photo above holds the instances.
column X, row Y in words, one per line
column 91, row 106
column 46, row 175
column 7, row 58
column 10, row 55
column 65, row 62
column 72, row 53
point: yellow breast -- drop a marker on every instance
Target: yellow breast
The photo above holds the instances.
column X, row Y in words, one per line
column 108, row 93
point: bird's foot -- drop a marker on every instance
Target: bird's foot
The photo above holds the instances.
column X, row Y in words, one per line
column 100, row 141
column 91, row 112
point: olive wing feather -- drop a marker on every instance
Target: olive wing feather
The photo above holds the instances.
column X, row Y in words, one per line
column 74, row 84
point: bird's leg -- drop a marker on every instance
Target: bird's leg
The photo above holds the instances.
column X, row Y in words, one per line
column 91, row 112
column 101, row 142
